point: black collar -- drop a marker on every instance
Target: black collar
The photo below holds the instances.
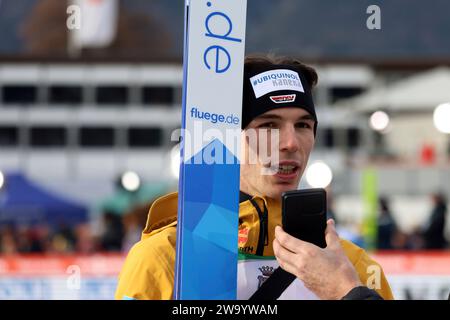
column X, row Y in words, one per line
column 244, row 196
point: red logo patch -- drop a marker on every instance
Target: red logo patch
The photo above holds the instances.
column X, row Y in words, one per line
column 283, row 98
column 243, row 236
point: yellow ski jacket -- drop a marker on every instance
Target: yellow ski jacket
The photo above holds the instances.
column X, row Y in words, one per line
column 148, row 271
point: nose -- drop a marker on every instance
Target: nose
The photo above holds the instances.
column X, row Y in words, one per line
column 288, row 139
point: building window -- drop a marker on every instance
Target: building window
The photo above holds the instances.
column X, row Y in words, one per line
column 19, row 94
column 338, row 93
column 112, row 95
column 144, row 137
column 48, row 137
column 177, row 94
column 65, row 94
column 9, row 136
column 96, row 137
column 353, row 137
column 328, row 138
column 158, row 95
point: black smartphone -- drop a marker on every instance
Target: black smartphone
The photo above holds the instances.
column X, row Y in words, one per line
column 304, row 215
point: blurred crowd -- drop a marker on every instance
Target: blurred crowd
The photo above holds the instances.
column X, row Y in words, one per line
column 112, row 233
column 429, row 236
column 119, row 232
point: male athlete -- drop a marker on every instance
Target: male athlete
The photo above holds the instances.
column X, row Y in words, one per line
column 276, row 96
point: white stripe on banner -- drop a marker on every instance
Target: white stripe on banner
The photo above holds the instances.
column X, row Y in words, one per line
column 208, row 210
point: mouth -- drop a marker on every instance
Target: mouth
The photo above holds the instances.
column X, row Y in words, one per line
column 288, row 170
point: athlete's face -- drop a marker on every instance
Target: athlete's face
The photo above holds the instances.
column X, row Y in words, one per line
column 296, row 139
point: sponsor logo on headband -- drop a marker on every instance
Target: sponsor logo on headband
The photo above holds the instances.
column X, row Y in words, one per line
column 286, row 98
column 276, row 80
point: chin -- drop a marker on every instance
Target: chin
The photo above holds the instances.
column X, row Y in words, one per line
column 278, row 190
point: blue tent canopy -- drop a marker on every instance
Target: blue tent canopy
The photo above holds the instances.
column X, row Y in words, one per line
column 24, row 202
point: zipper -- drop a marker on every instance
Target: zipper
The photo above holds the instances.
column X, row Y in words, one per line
column 263, row 239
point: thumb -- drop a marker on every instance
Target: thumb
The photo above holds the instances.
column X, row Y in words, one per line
column 331, row 236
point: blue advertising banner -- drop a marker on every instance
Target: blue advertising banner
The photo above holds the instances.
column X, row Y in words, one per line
column 208, row 208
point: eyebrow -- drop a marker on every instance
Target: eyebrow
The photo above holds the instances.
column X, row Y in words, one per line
column 277, row 117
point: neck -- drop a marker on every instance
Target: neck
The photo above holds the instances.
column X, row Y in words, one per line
column 245, row 187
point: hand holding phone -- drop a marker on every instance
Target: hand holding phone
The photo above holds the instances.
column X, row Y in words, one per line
column 304, row 215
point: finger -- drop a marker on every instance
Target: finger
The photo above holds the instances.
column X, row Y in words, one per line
column 289, row 242
column 331, row 236
column 286, row 259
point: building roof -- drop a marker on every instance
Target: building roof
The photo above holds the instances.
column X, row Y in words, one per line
column 421, row 92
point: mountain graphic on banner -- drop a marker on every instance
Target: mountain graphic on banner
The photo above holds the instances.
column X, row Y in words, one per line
column 210, row 214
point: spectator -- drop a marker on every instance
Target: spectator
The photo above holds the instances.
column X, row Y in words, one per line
column 387, row 228
column 112, row 238
column 433, row 231
column 8, row 242
column 86, row 243
column 63, row 239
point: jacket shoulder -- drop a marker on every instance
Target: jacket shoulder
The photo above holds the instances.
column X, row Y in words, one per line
column 158, row 243
column 148, row 270
column 370, row 272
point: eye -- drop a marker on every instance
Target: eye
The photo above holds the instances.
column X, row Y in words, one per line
column 304, row 125
column 268, row 125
